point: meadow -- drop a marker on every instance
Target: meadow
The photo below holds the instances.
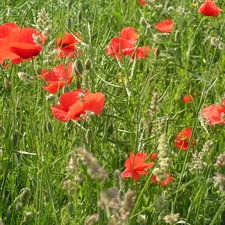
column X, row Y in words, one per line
column 112, row 112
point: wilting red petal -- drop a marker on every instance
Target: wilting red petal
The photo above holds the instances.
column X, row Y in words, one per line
column 165, row 26
column 129, row 34
column 162, row 183
column 208, row 8
column 183, row 138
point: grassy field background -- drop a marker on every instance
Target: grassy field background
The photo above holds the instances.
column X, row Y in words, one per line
column 50, row 171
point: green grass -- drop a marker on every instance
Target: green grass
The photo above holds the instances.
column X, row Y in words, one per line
column 36, row 148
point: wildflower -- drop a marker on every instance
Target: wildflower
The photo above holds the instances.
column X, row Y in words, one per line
column 76, row 105
column 208, row 8
column 214, row 114
column 142, row 2
column 165, row 26
column 136, row 165
column 183, row 138
column 18, row 44
column 187, row 98
column 125, row 45
column 66, row 45
column 164, row 182
column 57, row 78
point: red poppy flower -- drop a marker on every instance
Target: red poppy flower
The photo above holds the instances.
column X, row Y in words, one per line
column 19, row 44
column 214, row 114
column 162, row 183
column 142, row 2
column 58, row 77
column 118, row 46
column 66, row 45
column 76, row 105
column 187, row 98
column 136, row 165
column 208, row 8
column 183, row 138
column 129, row 34
column 165, row 26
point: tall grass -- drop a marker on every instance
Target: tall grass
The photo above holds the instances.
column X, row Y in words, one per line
column 143, row 101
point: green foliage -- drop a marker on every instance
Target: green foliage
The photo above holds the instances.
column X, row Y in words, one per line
column 36, row 149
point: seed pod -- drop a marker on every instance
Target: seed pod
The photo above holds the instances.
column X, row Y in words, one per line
column 156, row 53
column 19, row 207
column 7, row 85
column 14, row 138
column 70, row 208
column 89, row 136
column 88, row 64
column 79, row 17
column 78, row 67
column 49, row 127
column 25, row 196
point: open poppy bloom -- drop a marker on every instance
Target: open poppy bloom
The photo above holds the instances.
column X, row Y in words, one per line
column 162, row 183
column 208, row 8
column 57, row 78
column 165, row 26
column 142, row 2
column 183, row 138
column 136, row 165
column 77, row 105
column 18, row 44
column 188, row 98
column 66, row 45
column 125, row 45
column 215, row 114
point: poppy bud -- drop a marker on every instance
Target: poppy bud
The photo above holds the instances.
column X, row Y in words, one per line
column 142, row 21
column 88, row 64
column 7, row 84
column 25, row 196
column 28, row 217
column 156, row 53
column 79, row 17
column 70, row 208
column 14, row 139
column 89, row 136
column 78, row 67
column 49, row 127
column 19, row 207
